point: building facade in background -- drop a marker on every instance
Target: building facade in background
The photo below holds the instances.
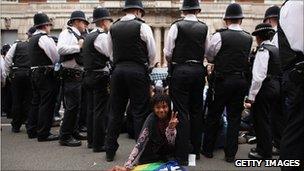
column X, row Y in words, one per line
column 16, row 15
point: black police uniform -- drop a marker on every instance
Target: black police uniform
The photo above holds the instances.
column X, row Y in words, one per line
column 44, row 87
column 293, row 93
column 230, row 66
column 187, row 84
column 72, row 86
column 129, row 79
column 266, row 97
column 277, row 114
column 20, row 85
column 96, row 80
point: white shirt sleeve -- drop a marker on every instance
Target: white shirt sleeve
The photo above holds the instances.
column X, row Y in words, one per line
column 170, row 42
column 110, row 46
column 291, row 21
column 275, row 40
column 146, row 35
column 49, row 46
column 8, row 61
column 67, row 43
column 101, row 44
column 259, row 72
column 214, row 46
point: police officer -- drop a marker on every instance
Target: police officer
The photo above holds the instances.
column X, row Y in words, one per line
column 96, row 57
column 43, row 55
column 133, row 47
column 17, row 66
column 277, row 115
column 69, row 47
column 264, row 90
column 291, row 47
column 229, row 50
column 185, row 49
column 272, row 17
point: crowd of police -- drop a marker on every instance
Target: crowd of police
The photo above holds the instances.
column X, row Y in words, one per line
column 105, row 73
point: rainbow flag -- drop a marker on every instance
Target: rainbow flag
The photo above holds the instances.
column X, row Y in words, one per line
column 147, row 167
column 169, row 166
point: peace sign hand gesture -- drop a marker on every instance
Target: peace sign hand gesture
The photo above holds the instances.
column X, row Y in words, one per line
column 173, row 121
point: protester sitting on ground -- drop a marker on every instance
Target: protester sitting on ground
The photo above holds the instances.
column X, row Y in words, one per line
column 157, row 137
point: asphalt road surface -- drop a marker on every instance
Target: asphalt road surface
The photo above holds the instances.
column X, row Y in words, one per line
column 20, row 153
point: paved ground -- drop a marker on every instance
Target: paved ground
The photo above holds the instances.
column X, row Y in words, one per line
column 20, row 153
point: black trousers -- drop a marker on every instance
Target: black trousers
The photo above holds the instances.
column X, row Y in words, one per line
column 82, row 121
column 128, row 81
column 6, row 99
column 96, row 85
column 277, row 119
column 230, row 91
column 292, row 143
column 45, row 88
column 21, row 96
column 187, row 86
column 59, row 99
column 72, row 100
column 268, row 95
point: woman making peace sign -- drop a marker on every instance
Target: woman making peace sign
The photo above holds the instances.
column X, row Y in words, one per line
column 157, row 137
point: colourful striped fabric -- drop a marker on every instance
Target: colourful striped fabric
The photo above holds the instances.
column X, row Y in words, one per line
column 147, row 167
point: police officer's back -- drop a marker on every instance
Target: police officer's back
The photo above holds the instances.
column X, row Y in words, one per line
column 133, row 46
column 43, row 55
column 185, row 51
column 96, row 78
column 17, row 67
column 229, row 50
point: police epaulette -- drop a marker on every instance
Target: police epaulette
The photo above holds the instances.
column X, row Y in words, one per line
column 117, row 20
column 180, row 19
column 139, row 19
column 201, row 21
column 221, row 29
column 246, row 32
column 261, row 48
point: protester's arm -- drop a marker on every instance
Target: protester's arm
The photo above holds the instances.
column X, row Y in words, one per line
column 171, row 129
column 138, row 149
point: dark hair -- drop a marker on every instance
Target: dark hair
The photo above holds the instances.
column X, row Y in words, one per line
column 160, row 97
column 194, row 11
column 40, row 27
column 265, row 35
column 235, row 21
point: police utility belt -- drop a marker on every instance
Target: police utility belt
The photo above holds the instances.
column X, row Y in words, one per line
column 46, row 70
column 71, row 74
column 102, row 71
column 188, row 62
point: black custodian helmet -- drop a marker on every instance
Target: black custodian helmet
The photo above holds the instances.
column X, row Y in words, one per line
column 77, row 15
column 272, row 12
column 137, row 4
column 100, row 13
column 191, row 5
column 41, row 19
column 234, row 11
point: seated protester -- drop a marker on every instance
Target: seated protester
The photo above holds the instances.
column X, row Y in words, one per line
column 264, row 91
column 157, row 138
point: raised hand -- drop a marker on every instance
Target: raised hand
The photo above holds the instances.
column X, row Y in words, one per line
column 173, row 121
